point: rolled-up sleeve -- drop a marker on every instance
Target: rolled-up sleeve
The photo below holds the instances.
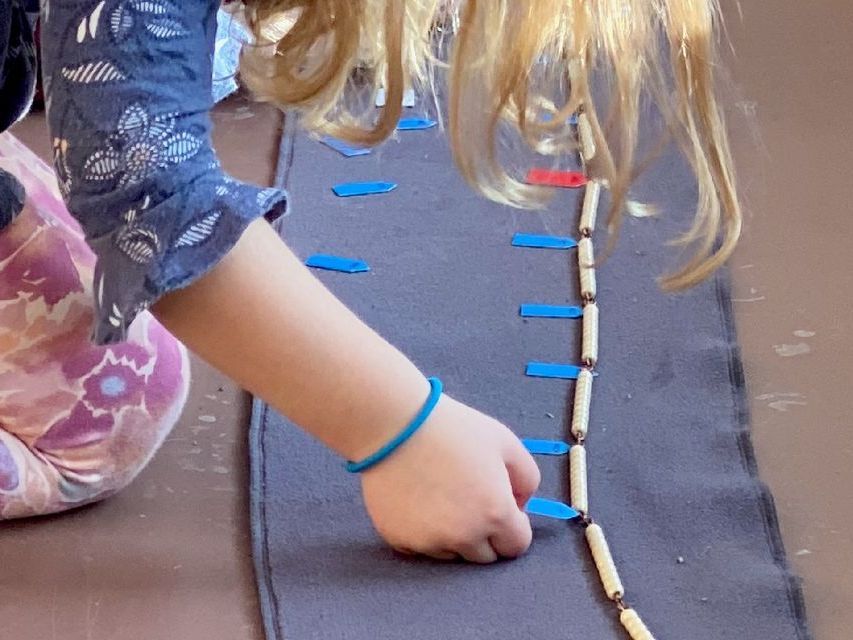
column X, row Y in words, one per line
column 128, row 86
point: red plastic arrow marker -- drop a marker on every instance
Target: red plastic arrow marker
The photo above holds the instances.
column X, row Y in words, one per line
column 548, row 178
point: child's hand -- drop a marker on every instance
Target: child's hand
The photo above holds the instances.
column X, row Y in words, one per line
column 455, row 489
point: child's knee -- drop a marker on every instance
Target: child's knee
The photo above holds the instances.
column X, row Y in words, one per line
column 121, row 421
column 92, row 435
column 83, row 459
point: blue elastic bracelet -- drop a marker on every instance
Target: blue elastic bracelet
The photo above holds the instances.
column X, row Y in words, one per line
column 436, row 389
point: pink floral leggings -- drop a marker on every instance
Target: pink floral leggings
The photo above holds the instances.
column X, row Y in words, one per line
column 77, row 421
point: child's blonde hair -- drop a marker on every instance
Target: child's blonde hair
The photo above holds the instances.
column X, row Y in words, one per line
column 516, row 61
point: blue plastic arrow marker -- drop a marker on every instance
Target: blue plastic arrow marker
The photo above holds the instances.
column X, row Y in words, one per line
column 343, row 148
column 415, row 124
column 546, row 447
column 350, row 189
column 543, row 242
column 547, row 117
column 336, row 263
column 550, row 311
column 559, row 371
column 550, row 509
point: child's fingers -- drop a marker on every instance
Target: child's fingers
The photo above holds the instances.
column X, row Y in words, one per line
column 515, row 536
column 523, row 473
column 479, row 553
column 442, row 555
column 404, row 551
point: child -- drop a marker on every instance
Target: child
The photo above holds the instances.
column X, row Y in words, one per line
column 128, row 89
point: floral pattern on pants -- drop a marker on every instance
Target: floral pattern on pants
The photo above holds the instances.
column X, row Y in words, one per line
column 77, row 421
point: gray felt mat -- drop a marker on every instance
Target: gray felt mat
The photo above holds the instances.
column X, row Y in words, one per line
column 672, row 471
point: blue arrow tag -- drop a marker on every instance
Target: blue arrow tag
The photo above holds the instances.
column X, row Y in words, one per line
column 534, row 241
column 559, row 371
column 350, row 189
column 550, row 311
column 546, row 447
column 550, row 509
column 573, row 119
column 415, row 124
column 343, row 148
column 336, row 263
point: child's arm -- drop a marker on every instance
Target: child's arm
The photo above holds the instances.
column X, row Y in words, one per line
column 264, row 320
column 128, row 101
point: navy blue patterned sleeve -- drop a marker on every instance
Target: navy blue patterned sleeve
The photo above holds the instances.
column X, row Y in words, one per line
column 128, row 85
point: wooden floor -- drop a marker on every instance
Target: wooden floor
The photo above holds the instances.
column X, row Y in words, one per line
column 794, row 277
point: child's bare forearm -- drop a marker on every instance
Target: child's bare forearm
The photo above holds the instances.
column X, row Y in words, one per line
column 263, row 319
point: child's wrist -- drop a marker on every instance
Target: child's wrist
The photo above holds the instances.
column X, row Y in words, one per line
column 390, row 447
column 394, row 408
